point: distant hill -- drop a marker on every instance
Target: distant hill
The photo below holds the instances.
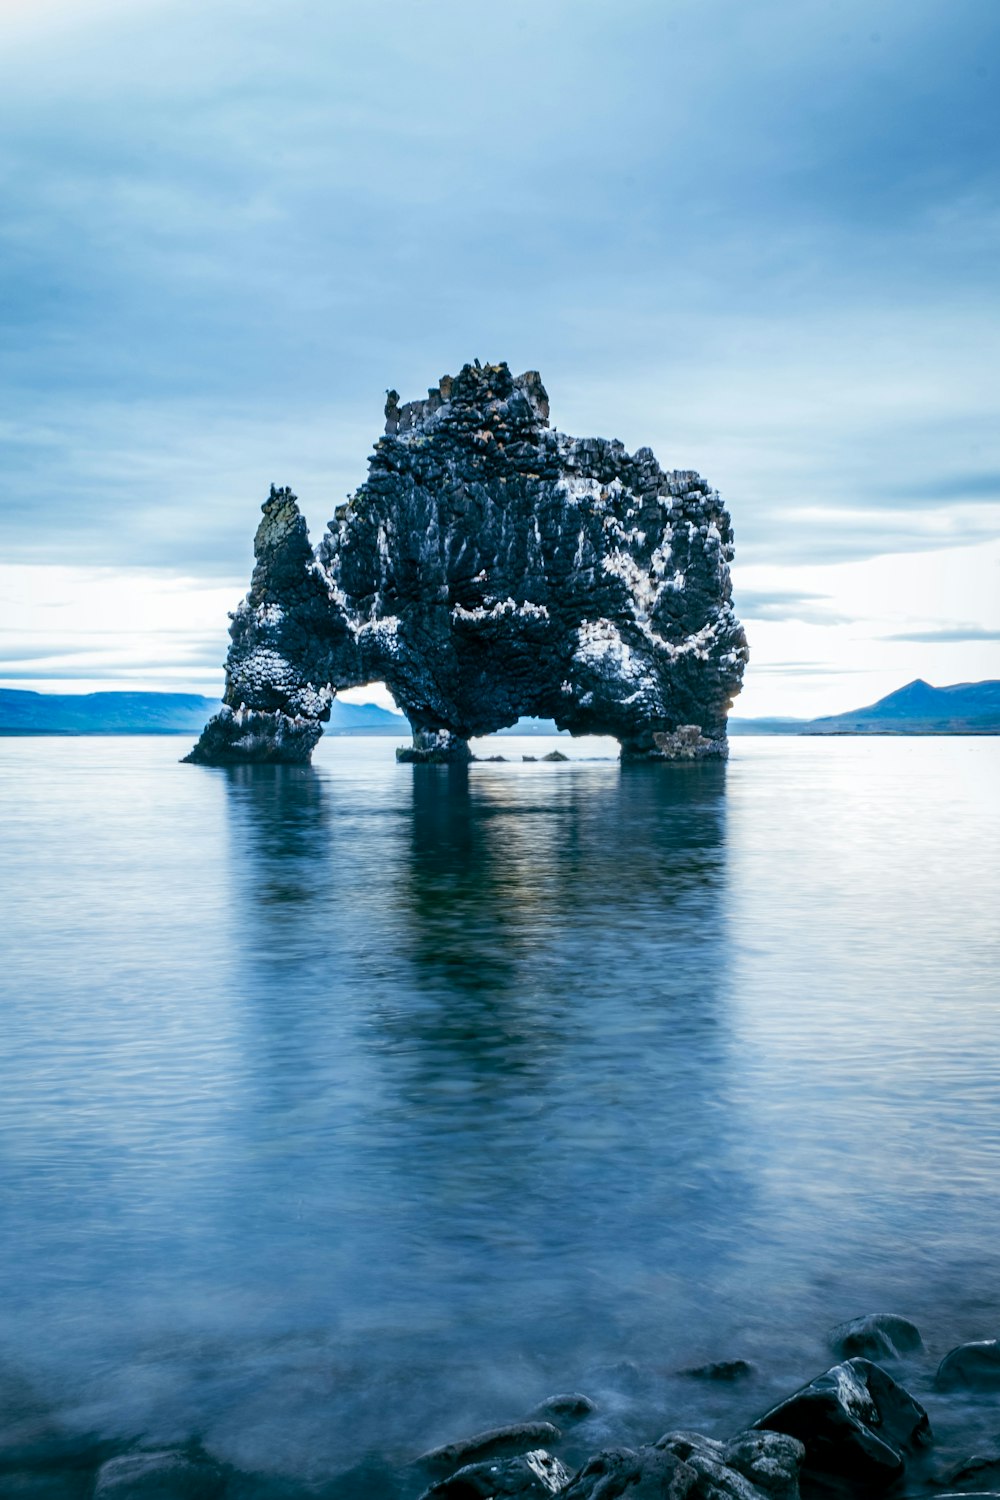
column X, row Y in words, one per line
column 917, row 708
column 364, row 718
column 102, row 713
column 23, row 712
column 767, row 726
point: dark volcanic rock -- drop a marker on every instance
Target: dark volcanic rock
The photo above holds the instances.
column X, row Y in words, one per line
column 532, row 1475
column 725, row 1371
column 876, row 1336
column 968, row 1495
column 770, row 1460
column 856, row 1423
column 639, row 1473
column 570, row 1406
column 169, row 1475
column 292, row 646
column 753, row 1466
column 750, row 1464
column 496, row 1442
column 491, row 568
column 975, row 1366
column 979, row 1472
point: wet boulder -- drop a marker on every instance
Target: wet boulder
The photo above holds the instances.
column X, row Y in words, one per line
column 751, row 1464
column 566, row 1408
column 771, row 1461
column 981, row 1471
column 529, row 1476
column 722, row 1371
column 495, row 1442
column 974, row 1366
column 855, row 1423
column 876, row 1336
column 167, row 1475
column 647, row 1473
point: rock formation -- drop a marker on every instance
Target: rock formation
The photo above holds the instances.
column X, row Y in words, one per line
column 491, row 568
column 855, row 1422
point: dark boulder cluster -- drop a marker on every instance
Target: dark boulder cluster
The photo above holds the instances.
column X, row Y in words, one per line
column 853, row 1431
column 489, row 569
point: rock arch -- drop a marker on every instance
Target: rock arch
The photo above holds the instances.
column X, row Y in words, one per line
column 491, row 568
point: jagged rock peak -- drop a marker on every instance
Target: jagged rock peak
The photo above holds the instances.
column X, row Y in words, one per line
column 491, row 568
column 479, row 396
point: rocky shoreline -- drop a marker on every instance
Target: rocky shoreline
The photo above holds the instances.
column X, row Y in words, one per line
column 855, row 1429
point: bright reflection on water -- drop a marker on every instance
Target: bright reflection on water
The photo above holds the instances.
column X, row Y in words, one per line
column 354, row 1108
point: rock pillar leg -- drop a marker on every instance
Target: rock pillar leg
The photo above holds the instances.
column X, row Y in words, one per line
column 684, row 744
column 435, row 747
column 247, row 735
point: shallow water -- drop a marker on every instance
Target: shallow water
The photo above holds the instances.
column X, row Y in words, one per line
column 349, row 1109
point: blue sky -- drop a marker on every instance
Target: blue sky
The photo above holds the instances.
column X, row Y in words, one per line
column 761, row 237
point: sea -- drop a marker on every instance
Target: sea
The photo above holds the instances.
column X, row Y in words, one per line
column 349, row 1109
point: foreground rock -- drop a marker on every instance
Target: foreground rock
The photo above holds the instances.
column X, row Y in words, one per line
column 491, row 568
column 167, row 1475
column 876, row 1336
column 496, row 1442
column 975, row 1366
column 723, row 1371
column 978, row 1473
column 753, row 1465
column 855, row 1423
column 566, row 1408
column 531, row 1476
column 643, row 1473
column 770, row 1460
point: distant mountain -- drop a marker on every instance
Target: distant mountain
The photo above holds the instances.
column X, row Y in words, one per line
column 102, row 713
column 917, row 708
column 23, row 712
column 767, row 726
column 364, row 718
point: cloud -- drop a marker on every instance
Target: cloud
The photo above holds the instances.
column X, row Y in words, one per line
column 787, row 604
column 18, row 651
column 802, row 669
column 954, row 487
column 947, row 634
column 793, row 289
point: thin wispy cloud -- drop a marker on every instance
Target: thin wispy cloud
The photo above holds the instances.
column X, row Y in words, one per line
column 947, row 634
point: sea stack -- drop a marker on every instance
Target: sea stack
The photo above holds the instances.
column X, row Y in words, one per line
column 491, row 568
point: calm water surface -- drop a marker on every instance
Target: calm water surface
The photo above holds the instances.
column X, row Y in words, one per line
column 347, row 1109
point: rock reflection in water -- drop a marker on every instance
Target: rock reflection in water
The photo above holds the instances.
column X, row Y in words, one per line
column 486, row 1016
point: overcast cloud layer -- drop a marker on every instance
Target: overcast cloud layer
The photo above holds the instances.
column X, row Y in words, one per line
column 762, row 238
